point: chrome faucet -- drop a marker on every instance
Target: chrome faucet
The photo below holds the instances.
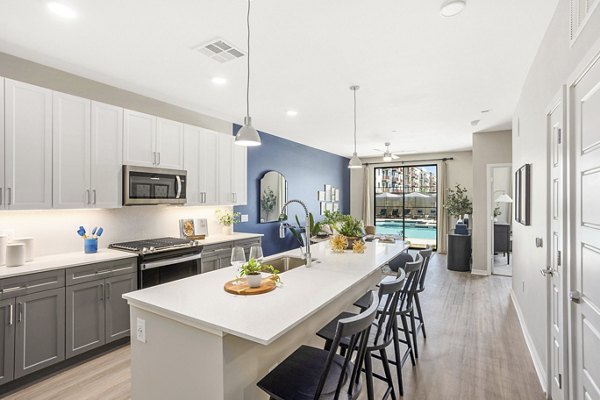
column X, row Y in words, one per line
column 283, row 217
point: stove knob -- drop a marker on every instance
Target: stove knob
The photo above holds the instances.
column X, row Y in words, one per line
column 144, row 250
column 196, row 243
column 151, row 249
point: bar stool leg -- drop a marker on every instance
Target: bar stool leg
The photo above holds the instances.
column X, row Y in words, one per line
column 414, row 333
column 388, row 374
column 420, row 315
column 398, row 359
column 369, row 375
column 408, row 340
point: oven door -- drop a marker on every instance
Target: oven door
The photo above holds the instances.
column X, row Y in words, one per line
column 156, row 272
column 142, row 185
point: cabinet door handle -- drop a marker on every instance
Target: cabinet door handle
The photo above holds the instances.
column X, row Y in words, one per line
column 154, row 158
column 9, row 193
column 10, row 314
column 20, row 312
column 158, row 158
column 87, row 196
column 94, row 197
column 107, row 290
column 1, row 198
column 101, row 287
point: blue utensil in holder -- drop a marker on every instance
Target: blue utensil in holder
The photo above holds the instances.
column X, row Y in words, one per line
column 90, row 245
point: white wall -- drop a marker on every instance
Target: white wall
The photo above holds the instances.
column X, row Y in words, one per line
column 54, row 231
column 555, row 61
column 488, row 148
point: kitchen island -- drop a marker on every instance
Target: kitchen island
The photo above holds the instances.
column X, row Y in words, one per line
column 199, row 342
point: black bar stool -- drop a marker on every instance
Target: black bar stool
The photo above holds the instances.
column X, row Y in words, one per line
column 380, row 338
column 310, row 373
column 404, row 311
column 426, row 255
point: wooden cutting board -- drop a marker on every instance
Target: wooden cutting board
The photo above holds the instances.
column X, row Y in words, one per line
column 266, row 285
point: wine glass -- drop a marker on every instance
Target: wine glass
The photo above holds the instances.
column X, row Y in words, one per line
column 256, row 252
column 238, row 257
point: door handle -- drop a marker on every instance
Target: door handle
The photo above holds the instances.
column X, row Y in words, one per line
column 9, row 193
column 94, row 197
column 87, row 196
column 178, row 186
column 1, row 198
column 575, row 296
column 158, row 158
column 154, row 157
column 548, row 271
column 20, row 312
column 101, row 287
column 107, row 290
column 10, row 314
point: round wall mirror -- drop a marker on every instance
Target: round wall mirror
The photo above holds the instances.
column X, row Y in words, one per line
column 273, row 195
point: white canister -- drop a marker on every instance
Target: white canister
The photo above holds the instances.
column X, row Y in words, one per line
column 15, row 254
column 3, row 243
column 28, row 242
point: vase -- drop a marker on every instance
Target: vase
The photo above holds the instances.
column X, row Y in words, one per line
column 254, row 280
column 351, row 241
column 227, row 230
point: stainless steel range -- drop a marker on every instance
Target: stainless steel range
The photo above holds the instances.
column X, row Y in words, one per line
column 163, row 260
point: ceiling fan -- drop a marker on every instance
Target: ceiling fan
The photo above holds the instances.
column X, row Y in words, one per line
column 387, row 154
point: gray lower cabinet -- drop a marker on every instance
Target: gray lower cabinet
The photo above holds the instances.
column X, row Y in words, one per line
column 209, row 264
column 96, row 313
column 7, row 340
column 39, row 331
column 216, row 256
column 116, row 307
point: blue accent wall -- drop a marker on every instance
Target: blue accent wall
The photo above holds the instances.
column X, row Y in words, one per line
column 306, row 170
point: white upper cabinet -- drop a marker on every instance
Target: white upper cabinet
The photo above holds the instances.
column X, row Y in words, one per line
column 225, row 168
column 169, row 144
column 28, row 146
column 2, row 191
column 150, row 141
column 71, row 124
column 239, row 175
column 106, row 155
column 87, row 153
column 200, row 162
column 139, row 144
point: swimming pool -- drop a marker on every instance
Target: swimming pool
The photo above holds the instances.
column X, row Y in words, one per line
column 412, row 232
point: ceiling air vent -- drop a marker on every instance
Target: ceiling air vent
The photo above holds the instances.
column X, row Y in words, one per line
column 219, row 50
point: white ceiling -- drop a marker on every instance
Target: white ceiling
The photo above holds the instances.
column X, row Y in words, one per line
column 423, row 77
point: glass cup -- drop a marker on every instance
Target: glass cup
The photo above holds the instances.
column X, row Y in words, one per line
column 90, row 245
column 256, row 252
column 238, row 258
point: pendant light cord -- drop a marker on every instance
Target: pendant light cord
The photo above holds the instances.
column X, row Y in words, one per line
column 248, row 64
column 354, row 90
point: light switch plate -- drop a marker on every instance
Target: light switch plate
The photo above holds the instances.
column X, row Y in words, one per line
column 140, row 332
column 539, row 242
column 244, row 218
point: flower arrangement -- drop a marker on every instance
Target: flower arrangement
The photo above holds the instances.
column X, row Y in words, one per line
column 338, row 243
column 227, row 217
column 497, row 211
column 458, row 203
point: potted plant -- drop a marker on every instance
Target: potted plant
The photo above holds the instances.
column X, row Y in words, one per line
column 253, row 270
column 314, row 227
column 227, row 218
column 497, row 213
column 351, row 228
column 457, row 203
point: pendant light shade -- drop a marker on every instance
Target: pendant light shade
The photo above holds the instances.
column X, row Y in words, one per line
column 355, row 162
column 247, row 135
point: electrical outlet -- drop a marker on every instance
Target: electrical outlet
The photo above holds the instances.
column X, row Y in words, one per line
column 244, row 218
column 140, row 332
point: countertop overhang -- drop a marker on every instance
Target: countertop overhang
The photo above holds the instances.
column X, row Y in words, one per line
column 201, row 302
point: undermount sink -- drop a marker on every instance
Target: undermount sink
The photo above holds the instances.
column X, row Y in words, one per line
column 283, row 264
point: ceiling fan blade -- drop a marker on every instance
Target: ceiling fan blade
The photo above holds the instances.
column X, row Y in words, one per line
column 379, row 150
column 395, row 156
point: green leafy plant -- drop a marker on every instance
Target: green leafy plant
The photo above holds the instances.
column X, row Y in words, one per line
column 350, row 227
column 332, row 217
column 255, row 267
column 314, row 228
column 458, row 203
column 227, row 217
column 497, row 211
column 268, row 201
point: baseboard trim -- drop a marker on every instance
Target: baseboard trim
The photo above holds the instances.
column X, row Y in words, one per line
column 535, row 357
column 482, row 272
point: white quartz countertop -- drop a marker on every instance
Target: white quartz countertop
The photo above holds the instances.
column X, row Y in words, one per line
column 64, row 260
column 214, row 239
column 200, row 300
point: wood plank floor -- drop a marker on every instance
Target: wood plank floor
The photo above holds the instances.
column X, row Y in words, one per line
column 474, row 350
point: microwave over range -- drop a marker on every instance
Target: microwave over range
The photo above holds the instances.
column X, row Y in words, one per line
column 148, row 186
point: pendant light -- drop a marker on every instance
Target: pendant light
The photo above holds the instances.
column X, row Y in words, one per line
column 355, row 161
column 247, row 135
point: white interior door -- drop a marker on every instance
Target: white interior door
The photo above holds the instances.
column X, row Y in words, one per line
column 169, row 144
column 71, row 151
column 555, row 272
column 106, row 155
column 585, row 278
column 28, row 146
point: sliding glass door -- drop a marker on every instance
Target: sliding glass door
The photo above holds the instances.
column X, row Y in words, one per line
column 406, row 203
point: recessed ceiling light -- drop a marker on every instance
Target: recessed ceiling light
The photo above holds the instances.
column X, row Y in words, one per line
column 291, row 113
column 217, row 80
column 62, row 10
column 450, row 8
